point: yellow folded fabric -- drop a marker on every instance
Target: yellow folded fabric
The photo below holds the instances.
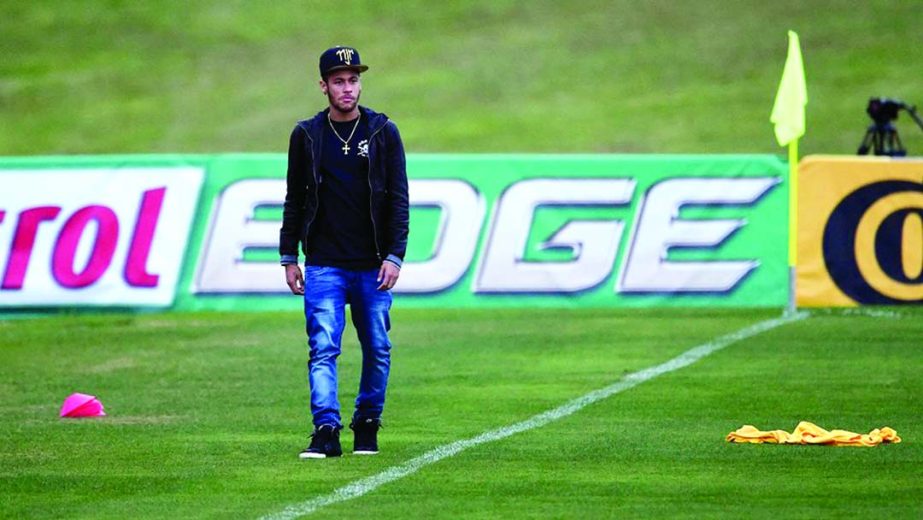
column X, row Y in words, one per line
column 810, row 433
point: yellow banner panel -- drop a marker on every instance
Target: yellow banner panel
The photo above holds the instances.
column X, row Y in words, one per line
column 860, row 231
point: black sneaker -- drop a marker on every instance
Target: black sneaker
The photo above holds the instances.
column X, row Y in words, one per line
column 325, row 442
column 365, row 435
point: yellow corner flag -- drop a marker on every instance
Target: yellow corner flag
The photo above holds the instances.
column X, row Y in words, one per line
column 788, row 110
column 788, row 118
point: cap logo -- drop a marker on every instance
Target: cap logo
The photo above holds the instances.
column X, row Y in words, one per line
column 346, row 56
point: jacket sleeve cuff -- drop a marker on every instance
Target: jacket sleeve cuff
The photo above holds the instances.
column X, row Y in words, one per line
column 289, row 259
column 394, row 260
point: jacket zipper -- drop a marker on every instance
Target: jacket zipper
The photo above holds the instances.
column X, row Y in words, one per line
column 307, row 229
column 371, row 194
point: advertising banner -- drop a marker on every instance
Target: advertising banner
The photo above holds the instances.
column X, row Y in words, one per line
column 96, row 236
column 860, row 231
column 486, row 230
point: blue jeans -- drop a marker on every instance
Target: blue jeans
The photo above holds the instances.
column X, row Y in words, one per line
column 327, row 291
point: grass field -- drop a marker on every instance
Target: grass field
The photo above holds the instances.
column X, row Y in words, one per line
column 207, row 413
column 652, row 76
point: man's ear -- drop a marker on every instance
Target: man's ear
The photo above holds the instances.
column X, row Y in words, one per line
column 323, row 86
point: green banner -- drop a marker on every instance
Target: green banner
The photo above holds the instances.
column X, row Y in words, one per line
column 485, row 230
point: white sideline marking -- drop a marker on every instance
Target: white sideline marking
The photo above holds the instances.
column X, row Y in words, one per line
column 368, row 484
column 859, row 311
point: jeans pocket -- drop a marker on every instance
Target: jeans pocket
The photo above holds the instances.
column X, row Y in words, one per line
column 316, row 270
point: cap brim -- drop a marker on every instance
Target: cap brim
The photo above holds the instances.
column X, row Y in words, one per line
column 357, row 68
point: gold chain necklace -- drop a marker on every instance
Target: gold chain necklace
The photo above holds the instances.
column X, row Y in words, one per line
column 345, row 141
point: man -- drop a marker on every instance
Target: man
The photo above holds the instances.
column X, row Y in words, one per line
column 346, row 203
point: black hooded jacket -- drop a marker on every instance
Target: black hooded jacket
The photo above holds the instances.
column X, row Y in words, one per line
column 390, row 208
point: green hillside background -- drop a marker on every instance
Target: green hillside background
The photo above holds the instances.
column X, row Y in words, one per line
column 614, row 76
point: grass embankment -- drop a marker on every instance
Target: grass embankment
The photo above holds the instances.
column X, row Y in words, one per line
column 480, row 76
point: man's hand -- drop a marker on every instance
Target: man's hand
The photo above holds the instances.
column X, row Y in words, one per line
column 294, row 278
column 387, row 275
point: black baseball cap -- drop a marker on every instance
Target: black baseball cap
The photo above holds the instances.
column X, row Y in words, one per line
column 340, row 58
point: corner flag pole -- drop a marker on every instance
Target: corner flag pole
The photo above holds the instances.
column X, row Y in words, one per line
column 792, row 222
column 788, row 118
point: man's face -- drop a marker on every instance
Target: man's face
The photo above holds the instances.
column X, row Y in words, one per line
column 342, row 89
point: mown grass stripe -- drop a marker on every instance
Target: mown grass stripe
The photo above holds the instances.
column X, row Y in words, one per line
column 366, row 485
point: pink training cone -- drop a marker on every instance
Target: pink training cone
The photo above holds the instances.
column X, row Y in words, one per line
column 82, row 405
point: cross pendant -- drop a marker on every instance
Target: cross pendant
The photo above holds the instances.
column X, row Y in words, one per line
column 345, row 148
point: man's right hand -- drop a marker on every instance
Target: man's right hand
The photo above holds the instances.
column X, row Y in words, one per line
column 294, row 278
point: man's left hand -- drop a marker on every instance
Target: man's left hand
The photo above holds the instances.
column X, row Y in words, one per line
column 387, row 275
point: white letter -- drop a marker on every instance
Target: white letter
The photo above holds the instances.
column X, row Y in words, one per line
column 222, row 267
column 658, row 228
column 461, row 215
column 594, row 243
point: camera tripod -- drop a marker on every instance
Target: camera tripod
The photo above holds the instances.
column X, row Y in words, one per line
column 882, row 137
